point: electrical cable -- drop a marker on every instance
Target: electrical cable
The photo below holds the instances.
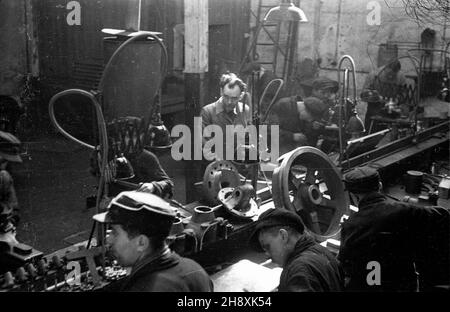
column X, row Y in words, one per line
column 274, row 97
column 163, row 68
column 103, row 137
column 342, row 98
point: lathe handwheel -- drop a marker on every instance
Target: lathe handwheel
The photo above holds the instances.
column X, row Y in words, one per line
column 308, row 183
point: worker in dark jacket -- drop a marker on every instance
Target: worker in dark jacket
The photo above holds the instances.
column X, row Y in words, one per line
column 391, row 84
column 140, row 223
column 301, row 122
column 127, row 139
column 307, row 266
column 392, row 246
column 386, row 80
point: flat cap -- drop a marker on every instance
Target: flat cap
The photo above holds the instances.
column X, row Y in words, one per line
column 324, row 83
column 371, row 96
column 315, row 106
column 10, row 147
column 275, row 217
column 362, row 180
column 395, row 65
column 124, row 205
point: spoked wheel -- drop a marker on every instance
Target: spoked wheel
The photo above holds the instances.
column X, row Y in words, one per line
column 308, row 183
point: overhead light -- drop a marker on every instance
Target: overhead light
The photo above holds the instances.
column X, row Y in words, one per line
column 355, row 126
column 124, row 170
column 285, row 12
column 159, row 137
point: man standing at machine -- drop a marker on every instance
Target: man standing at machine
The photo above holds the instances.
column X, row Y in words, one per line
column 407, row 246
column 387, row 80
column 227, row 110
column 387, row 83
column 307, row 266
column 140, row 223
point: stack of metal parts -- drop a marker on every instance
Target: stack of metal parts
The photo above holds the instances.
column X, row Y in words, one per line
column 59, row 274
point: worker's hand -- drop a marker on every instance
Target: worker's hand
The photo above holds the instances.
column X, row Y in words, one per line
column 146, row 187
column 300, row 138
column 317, row 125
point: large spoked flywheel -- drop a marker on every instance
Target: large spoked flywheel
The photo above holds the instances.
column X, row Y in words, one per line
column 308, row 183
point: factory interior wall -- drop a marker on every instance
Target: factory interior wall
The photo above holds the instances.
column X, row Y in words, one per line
column 343, row 27
column 356, row 28
column 71, row 51
column 12, row 46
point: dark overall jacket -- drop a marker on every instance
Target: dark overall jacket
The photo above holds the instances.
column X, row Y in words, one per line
column 285, row 114
column 410, row 243
column 311, row 267
column 167, row 273
column 147, row 169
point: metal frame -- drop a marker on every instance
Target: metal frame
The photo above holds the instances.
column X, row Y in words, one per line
column 398, row 145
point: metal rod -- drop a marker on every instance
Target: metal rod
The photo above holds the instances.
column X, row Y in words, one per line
column 342, row 97
column 139, row 15
column 142, row 34
column 274, row 97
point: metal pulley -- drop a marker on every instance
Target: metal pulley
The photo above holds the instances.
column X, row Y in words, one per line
column 218, row 175
column 308, row 183
column 239, row 201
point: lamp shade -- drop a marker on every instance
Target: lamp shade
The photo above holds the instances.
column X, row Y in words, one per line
column 355, row 126
column 159, row 137
column 124, row 170
column 285, row 12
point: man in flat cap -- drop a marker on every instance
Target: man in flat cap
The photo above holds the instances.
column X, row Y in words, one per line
column 301, row 122
column 324, row 89
column 139, row 225
column 307, row 266
column 389, row 245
